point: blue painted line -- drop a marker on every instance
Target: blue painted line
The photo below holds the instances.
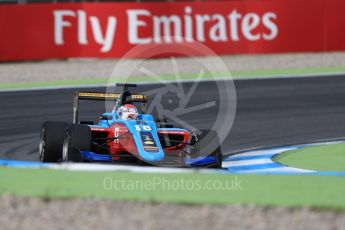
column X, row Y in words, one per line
column 269, row 173
column 14, row 163
column 256, row 167
column 241, row 158
column 340, row 174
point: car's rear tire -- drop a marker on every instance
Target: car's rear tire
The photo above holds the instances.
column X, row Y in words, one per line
column 77, row 138
column 209, row 145
column 51, row 140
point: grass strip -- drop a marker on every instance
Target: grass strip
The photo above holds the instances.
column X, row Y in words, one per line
column 192, row 76
column 319, row 158
column 189, row 188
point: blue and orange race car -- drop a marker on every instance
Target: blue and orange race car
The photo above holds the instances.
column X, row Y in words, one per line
column 139, row 139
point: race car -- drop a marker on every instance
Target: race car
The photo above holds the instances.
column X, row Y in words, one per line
column 126, row 136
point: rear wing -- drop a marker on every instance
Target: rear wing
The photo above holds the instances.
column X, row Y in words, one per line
column 99, row 96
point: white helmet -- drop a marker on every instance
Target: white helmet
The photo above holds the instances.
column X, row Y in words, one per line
column 127, row 112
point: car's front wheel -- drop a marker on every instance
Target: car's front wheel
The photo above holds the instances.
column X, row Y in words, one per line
column 77, row 138
column 51, row 140
column 208, row 145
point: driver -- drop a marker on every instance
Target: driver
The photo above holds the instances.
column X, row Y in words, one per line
column 127, row 112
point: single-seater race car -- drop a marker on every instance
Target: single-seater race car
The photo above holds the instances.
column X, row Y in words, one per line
column 126, row 136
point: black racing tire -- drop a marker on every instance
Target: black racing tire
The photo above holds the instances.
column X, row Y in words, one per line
column 77, row 138
column 51, row 140
column 219, row 158
column 209, row 145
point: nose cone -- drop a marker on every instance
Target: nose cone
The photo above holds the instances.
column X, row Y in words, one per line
column 152, row 156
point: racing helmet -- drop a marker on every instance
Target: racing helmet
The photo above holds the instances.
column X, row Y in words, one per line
column 127, row 112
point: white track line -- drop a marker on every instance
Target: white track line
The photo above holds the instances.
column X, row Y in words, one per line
column 262, row 152
column 227, row 164
column 277, row 170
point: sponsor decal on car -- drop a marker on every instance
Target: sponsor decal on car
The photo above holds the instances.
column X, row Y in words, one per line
column 148, row 143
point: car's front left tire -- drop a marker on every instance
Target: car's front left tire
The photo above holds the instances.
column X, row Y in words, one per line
column 77, row 138
column 51, row 141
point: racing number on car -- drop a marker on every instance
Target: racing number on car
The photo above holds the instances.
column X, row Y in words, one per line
column 144, row 127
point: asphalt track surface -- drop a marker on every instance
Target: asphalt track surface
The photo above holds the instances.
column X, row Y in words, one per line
column 270, row 112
